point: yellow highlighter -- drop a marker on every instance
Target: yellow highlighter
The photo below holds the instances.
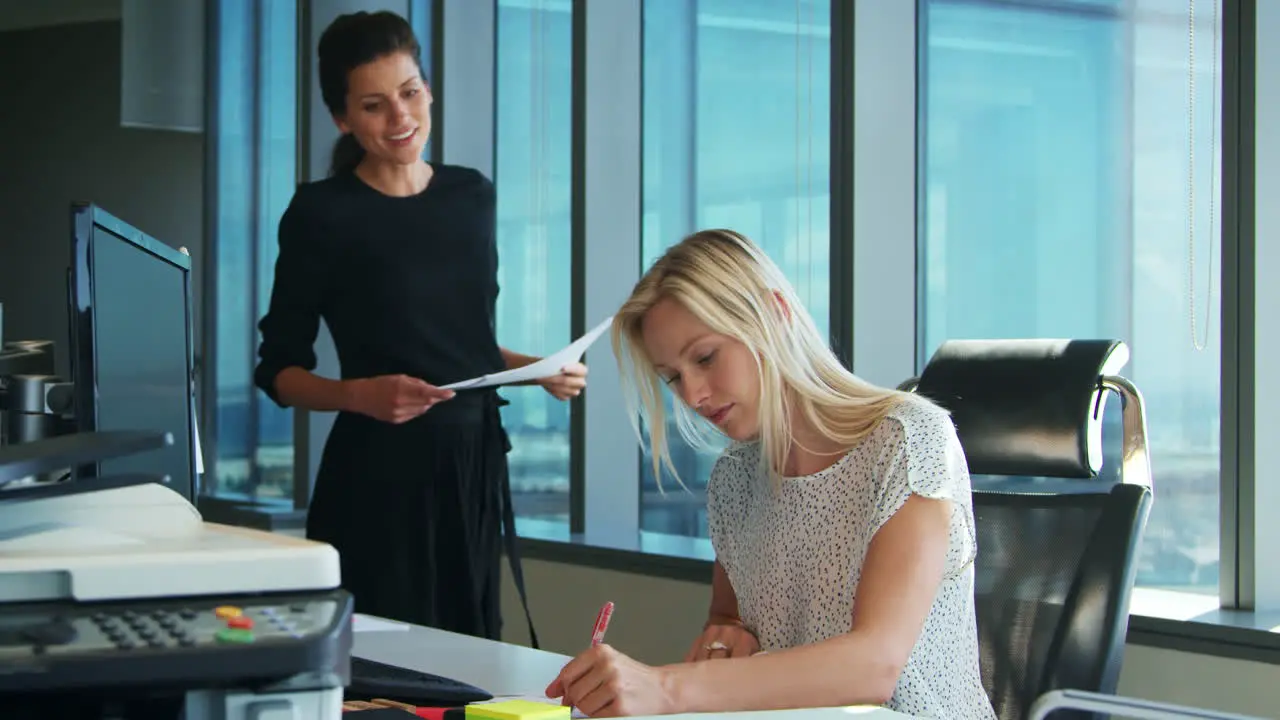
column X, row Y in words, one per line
column 518, row 710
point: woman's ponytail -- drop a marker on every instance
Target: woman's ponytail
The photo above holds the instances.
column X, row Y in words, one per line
column 347, row 153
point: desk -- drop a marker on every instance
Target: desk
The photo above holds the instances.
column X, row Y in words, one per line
column 505, row 669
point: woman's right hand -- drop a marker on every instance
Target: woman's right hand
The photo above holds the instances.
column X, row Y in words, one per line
column 395, row 398
column 723, row 639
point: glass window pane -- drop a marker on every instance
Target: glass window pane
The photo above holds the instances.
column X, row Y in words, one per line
column 736, row 135
column 256, row 135
column 533, row 185
column 276, row 181
column 231, row 471
column 1056, row 204
column 420, row 17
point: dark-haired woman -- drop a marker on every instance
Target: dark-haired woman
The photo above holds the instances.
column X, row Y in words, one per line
column 399, row 258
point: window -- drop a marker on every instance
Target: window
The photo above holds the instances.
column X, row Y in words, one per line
column 534, row 68
column 736, row 135
column 1058, row 147
column 420, row 14
column 255, row 137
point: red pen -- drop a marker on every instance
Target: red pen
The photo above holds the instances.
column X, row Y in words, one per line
column 602, row 624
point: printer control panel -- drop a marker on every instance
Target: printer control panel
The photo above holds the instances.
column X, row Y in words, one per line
column 232, row 638
column 130, row 629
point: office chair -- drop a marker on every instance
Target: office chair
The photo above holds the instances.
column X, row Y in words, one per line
column 1049, row 705
column 1054, row 570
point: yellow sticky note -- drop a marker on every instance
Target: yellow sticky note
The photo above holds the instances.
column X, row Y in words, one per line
column 518, row 710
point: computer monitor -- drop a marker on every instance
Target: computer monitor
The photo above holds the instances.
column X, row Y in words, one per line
column 131, row 344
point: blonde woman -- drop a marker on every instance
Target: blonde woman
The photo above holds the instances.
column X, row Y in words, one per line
column 840, row 513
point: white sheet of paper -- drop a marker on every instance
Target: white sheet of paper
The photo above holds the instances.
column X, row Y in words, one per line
column 546, row 367
column 532, row 697
column 365, row 623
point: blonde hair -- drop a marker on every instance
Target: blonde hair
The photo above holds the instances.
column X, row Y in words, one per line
column 731, row 286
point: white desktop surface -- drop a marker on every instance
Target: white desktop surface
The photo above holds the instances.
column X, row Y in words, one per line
column 504, row 669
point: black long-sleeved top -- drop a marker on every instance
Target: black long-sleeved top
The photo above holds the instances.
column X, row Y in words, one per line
column 405, row 284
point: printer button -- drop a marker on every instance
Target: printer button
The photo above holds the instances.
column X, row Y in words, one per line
column 227, row 611
column 243, row 622
column 272, row 710
column 234, row 635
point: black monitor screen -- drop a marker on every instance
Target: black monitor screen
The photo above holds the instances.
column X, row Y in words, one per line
column 136, row 314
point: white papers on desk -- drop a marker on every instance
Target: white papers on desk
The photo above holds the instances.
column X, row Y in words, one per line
column 531, row 697
column 544, row 368
column 367, row 623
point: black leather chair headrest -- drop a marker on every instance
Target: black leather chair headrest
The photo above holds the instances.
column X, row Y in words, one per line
column 1025, row 407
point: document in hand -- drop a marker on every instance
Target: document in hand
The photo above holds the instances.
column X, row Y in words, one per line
column 546, row 367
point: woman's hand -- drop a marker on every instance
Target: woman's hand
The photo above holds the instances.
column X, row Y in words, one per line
column 569, row 383
column 723, row 639
column 394, row 398
column 603, row 682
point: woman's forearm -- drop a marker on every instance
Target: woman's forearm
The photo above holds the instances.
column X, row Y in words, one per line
column 842, row 671
column 515, row 360
column 302, row 389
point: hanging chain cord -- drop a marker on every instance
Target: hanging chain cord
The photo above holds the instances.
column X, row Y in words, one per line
column 539, row 175
column 799, row 222
column 804, row 148
column 1196, row 342
column 809, row 195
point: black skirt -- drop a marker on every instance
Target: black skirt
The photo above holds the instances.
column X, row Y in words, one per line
column 417, row 512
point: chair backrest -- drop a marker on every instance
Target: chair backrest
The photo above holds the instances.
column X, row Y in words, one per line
column 1054, row 572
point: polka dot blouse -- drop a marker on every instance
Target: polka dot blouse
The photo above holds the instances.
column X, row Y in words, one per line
column 794, row 555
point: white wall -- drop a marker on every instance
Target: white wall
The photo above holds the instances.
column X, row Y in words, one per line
column 655, row 619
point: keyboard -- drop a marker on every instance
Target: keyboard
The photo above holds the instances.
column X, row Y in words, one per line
column 372, row 679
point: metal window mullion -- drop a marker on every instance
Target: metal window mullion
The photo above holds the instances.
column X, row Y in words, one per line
column 884, row 187
column 606, row 200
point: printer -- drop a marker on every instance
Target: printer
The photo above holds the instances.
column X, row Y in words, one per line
column 118, row 601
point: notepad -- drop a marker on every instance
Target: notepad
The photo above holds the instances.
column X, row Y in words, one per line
column 518, row 710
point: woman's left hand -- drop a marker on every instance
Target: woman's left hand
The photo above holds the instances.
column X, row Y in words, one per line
column 569, row 383
column 603, row 682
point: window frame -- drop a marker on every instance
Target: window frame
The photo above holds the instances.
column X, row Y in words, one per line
column 866, row 34
column 215, row 503
column 880, row 34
